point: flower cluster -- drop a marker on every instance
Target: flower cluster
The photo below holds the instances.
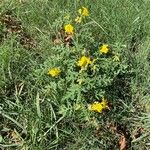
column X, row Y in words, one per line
column 83, row 12
column 88, row 61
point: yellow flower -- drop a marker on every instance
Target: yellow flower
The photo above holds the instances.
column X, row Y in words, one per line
column 98, row 106
column 78, row 19
column 104, row 49
column 69, row 28
column 54, row 72
column 83, row 11
column 84, row 62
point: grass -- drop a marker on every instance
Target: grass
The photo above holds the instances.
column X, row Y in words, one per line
column 35, row 114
